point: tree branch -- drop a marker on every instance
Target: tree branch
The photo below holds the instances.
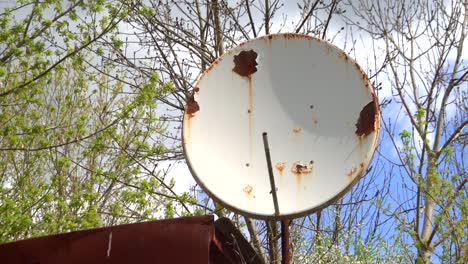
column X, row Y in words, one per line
column 74, row 52
column 312, row 9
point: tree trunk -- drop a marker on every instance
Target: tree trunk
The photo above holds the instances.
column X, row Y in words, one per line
column 424, row 250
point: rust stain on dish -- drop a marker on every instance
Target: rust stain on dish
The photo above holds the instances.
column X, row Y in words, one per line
column 192, row 105
column 328, row 49
column 269, row 39
column 297, row 130
column 245, row 63
column 248, row 190
column 291, row 35
column 344, row 56
column 250, row 95
column 280, row 167
column 352, row 172
column 358, row 67
column 250, row 112
column 356, row 171
column 367, row 119
column 212, row 65
column 302, row 169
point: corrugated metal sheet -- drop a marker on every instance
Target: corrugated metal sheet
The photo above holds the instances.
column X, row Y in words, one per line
column 183, row 240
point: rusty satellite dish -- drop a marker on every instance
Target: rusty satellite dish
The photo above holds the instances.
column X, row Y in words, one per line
column 316, row 105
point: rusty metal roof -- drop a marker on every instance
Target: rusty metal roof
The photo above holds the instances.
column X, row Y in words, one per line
column 182, row 240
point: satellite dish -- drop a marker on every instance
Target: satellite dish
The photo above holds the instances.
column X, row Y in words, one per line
column 317, row 107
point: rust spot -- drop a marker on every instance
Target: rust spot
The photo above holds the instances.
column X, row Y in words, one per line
column 299, row 168
column 280, row 167
column 291, row 36
column 251, row 123
column 356, row 171
column 192, row 105
column 352, row 172
column 250, row 95
column 210, row 68
column 245, row 63
column 297, row 130
column 213, row 64
column 247, row 189
column 344, row 56
column 366, row 122
column 294, row 36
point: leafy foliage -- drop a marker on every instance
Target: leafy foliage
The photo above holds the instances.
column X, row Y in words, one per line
column 76, row 146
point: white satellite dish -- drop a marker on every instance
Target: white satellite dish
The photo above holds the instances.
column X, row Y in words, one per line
column 317, row 107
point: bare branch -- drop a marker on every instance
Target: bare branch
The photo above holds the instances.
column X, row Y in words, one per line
column 252, row 25
column 312, row 9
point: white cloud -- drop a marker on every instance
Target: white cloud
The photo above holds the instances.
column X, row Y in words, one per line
column 179, row 171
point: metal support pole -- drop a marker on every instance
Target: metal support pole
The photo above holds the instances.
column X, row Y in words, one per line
column 270, row 172
column 285, row 253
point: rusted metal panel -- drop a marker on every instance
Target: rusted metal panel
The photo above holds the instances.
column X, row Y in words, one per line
column 183, row 240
